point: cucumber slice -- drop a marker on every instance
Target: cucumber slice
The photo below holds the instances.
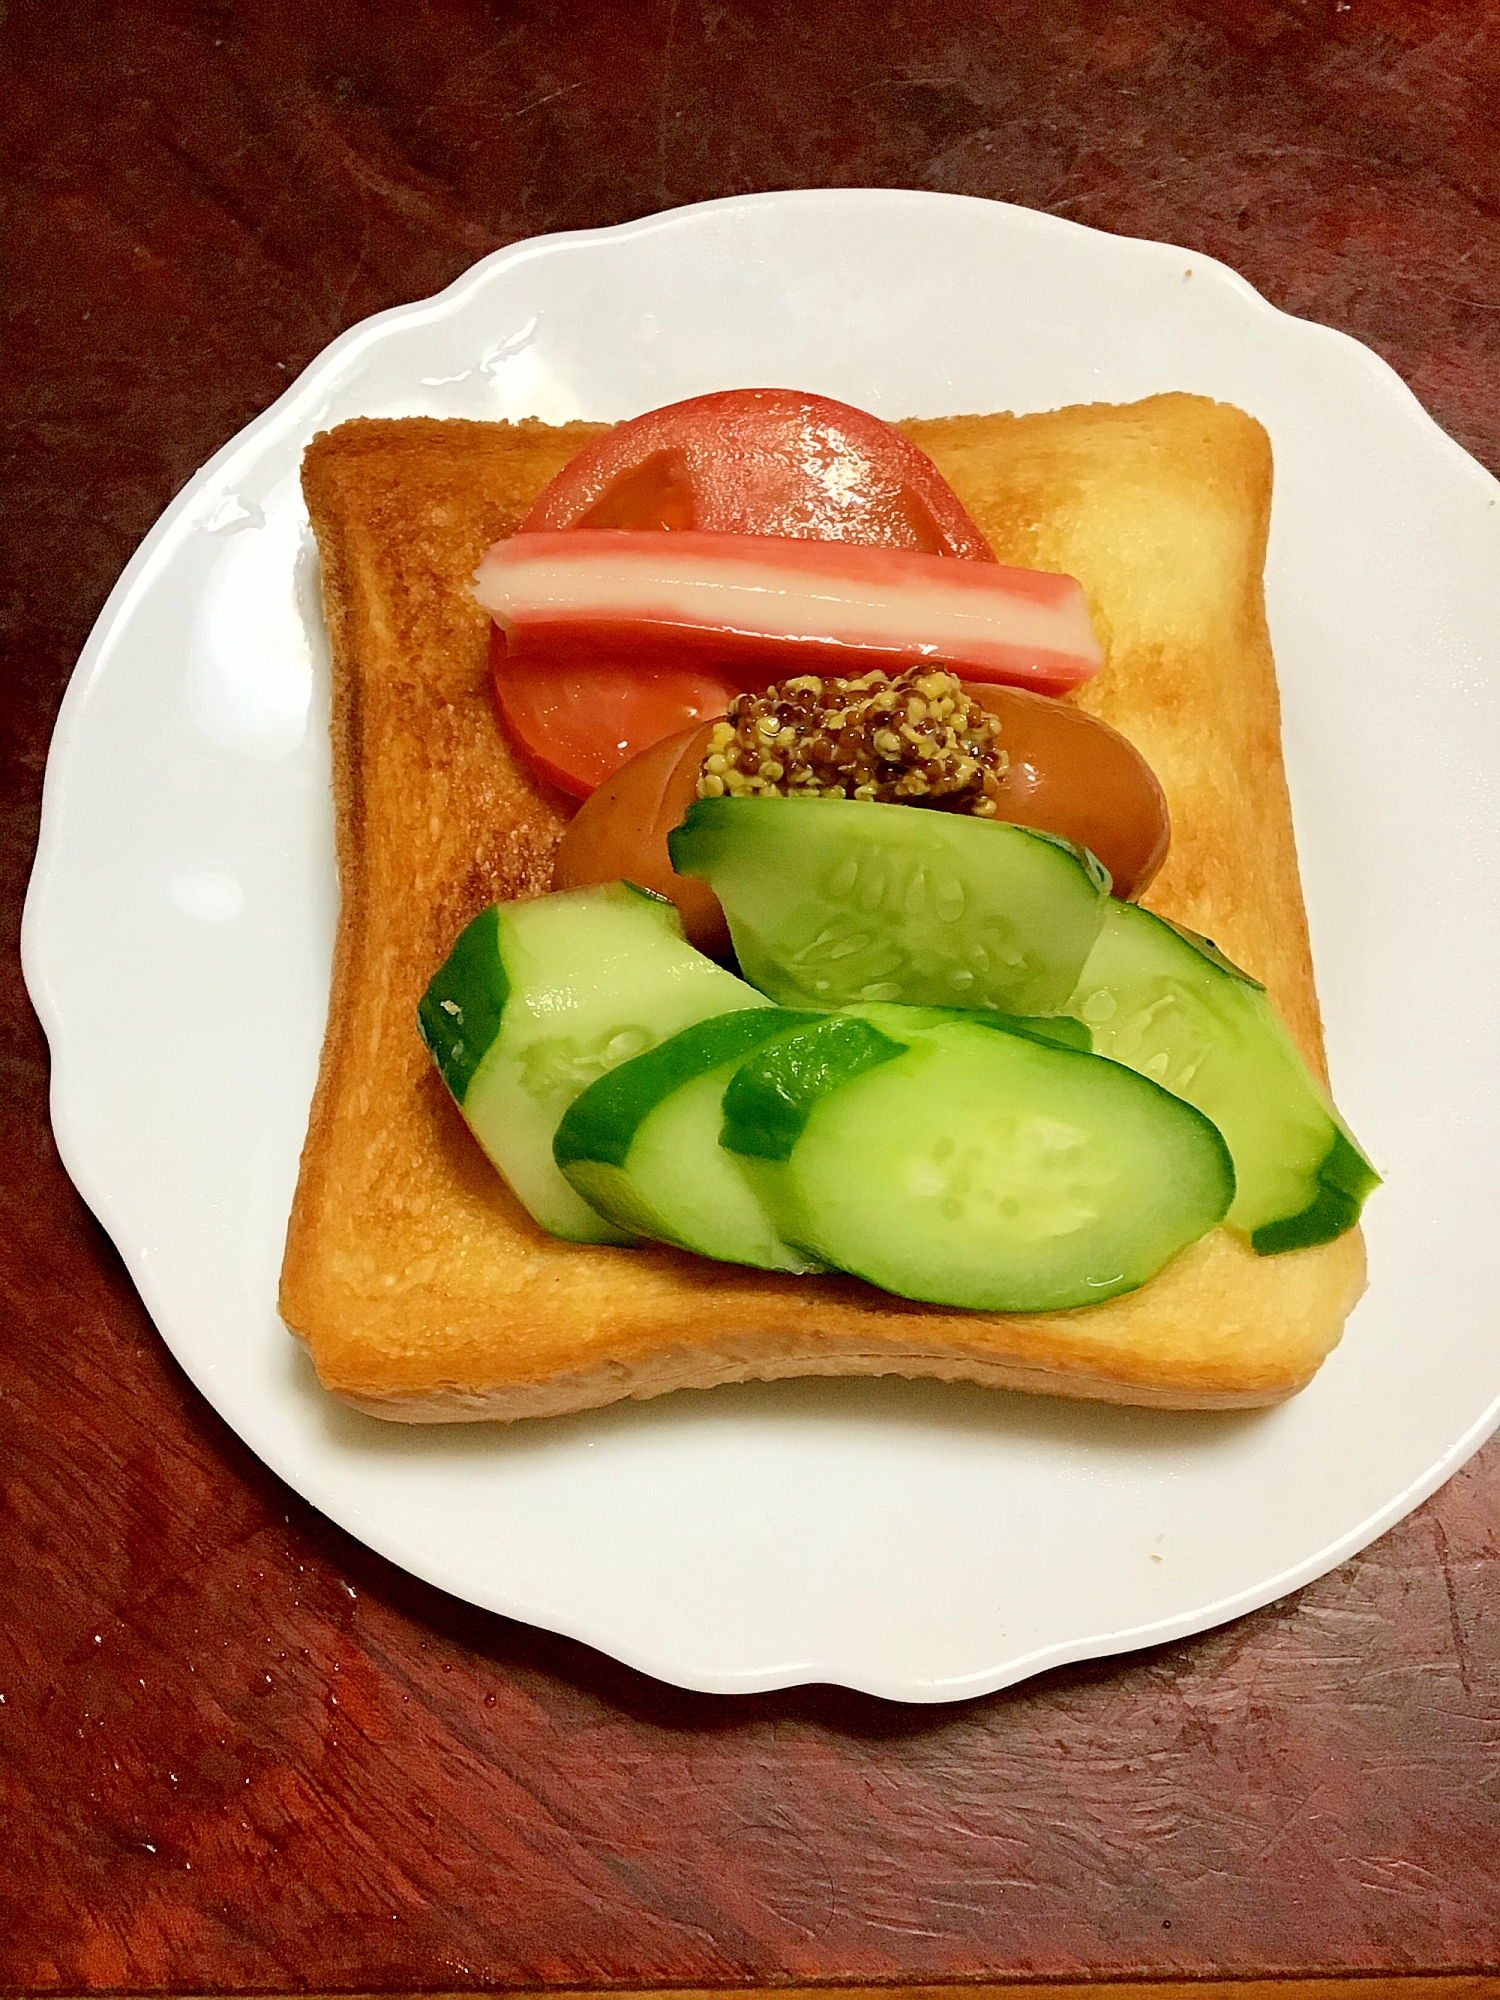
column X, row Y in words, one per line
column 642, row 1144
column 1061, row 1031
column 1168, row 1004
column 767, row 1107
column 974, row 1168
column 835, row 901
column 537, row 999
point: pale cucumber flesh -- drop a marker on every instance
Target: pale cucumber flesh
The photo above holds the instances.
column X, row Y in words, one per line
column 537, row 999
column 832, row 902
column 1170, row 1006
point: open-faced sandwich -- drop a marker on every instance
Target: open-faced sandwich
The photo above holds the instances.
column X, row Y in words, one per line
column 779, row 858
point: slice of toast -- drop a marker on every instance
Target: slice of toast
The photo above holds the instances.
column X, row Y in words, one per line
column 424, row 1290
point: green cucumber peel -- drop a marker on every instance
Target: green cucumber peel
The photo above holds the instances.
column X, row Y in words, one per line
column 1206, row 948
column 1060, row 1031
column 1345, row 1178
column 769, row 1101
column 600, row 1126
column 608, row 1190
column 1093, row 867
column 459, row 1014
column 693, row 844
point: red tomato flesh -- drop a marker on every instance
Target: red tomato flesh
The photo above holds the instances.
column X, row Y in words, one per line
column 763, row 462
column 577, row 720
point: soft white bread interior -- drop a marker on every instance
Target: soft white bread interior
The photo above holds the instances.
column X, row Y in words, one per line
column 423, row 1289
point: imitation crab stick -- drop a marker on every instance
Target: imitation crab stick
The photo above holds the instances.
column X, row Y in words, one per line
column 766, row 607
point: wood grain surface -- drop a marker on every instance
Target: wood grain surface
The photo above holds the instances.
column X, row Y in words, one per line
column 237, row 1752
column 1367, row 1986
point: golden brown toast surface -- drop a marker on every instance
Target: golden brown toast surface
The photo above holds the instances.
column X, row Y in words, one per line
column 422, row 1287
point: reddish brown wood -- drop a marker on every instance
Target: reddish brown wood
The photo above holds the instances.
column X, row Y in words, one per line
column 236, row 1751
column 1377, row 1986
column 1367, row 1986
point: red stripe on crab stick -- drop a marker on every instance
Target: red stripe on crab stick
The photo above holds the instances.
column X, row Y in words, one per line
column 765, row 606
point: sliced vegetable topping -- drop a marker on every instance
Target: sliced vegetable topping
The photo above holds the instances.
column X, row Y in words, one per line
column 1009, row 1093
column 537, row 999
column 578, row 722
column 1169, row 1004
column 768, row 1103
column 970, row 1167
column 763, row 462
column 642, row 1144
column 752, row 607
column 834, row 901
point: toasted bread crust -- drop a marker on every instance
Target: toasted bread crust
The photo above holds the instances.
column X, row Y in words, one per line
column 422, row 1288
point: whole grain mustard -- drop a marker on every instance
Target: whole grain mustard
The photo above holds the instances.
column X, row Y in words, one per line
column 917, row 739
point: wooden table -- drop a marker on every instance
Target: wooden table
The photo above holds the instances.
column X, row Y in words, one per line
column 239, row 1753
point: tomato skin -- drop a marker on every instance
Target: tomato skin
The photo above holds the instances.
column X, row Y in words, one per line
column 741, row 461
column 1069, row 774
column 763, row 462
column 577, row 721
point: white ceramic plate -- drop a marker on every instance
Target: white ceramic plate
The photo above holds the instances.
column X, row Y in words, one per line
column 920, row 1541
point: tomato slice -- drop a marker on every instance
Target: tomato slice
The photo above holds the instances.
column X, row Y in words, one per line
column 577, row 721
column 763, row 462
column 742, row 461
